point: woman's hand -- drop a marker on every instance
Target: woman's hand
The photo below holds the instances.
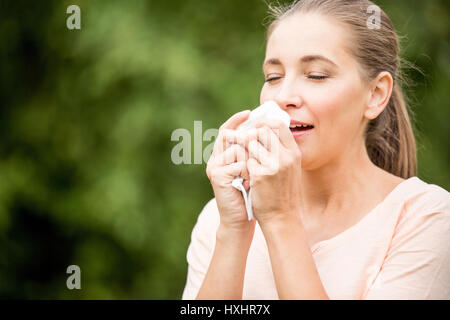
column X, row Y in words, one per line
column 274, row 166
column 228, row 161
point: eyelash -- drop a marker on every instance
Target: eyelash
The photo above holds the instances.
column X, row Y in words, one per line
column 272, row 79
column 317, row 77
column 309, row 77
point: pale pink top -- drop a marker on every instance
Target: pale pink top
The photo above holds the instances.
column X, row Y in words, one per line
column 399, row 250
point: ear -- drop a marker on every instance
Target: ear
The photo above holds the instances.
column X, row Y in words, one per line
column 380, row 93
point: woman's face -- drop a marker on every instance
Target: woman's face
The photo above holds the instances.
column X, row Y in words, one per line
column 311, row 75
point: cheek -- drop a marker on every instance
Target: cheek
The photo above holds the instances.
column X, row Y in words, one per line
column 337, row 112
column 338, row 107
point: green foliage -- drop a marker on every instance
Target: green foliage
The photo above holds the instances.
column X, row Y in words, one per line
column 87, row 116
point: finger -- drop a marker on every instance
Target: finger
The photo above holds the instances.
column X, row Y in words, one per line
column 249, row 135
column 234, row 153
column 257, row 151
column 268, row 139
column 241, row 138
column 274, row 146
column 236, row 137
column 236, row 169
column 281, row 130
column 231, row 124
column 218, row 145
column 254, row 169
column 235, row 120
column 230, row 138
column 252, row 166
column 225, row 138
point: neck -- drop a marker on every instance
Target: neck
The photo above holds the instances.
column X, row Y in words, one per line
column 332, row 186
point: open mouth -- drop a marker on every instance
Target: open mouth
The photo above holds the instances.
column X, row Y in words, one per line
column 300, row 129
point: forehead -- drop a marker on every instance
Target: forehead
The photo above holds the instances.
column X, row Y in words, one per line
column 307, row 34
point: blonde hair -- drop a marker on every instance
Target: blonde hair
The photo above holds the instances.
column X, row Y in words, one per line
column 389, row 138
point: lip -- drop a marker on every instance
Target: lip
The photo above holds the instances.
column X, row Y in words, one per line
column 299, row 122
column 298, row 134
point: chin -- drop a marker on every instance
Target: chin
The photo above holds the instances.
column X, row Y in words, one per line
column 309, row 162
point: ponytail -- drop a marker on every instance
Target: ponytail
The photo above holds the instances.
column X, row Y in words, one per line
column 390, row 139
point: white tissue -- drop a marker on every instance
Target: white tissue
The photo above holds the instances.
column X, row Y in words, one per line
column 268, row 110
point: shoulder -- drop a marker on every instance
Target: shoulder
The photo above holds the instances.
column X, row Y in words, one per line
column 426, row 198
column 424, row 206
column 414, row 266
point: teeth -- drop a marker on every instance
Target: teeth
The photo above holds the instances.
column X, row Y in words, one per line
column 292, row 126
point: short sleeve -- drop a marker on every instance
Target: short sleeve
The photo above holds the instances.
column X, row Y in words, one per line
column 417, row 265
column 200, row 250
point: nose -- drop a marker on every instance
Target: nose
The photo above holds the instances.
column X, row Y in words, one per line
column 288, row 97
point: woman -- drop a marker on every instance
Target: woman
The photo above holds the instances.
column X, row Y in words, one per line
column 340, row 213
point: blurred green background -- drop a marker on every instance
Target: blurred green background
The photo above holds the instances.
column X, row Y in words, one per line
column 87, row 115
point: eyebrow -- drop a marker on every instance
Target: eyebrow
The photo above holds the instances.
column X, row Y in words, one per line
column 305, row 59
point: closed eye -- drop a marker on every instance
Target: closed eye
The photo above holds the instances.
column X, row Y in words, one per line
column 316, row 77
column 272, row 79
column 309, row 77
